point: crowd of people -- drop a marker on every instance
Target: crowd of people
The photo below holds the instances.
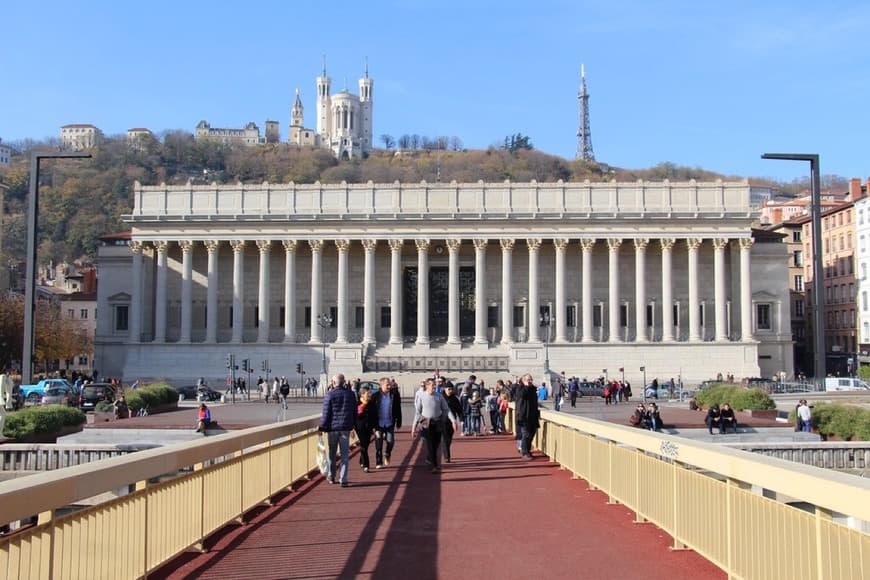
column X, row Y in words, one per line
column 441, row 410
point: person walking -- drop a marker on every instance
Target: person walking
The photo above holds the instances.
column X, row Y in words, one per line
column 430, row 413
column 337, row 420
column 388, row 406
column 528, row 415
column 366, row 423
column 573, row 391
column 450, row 427
column 558, row 392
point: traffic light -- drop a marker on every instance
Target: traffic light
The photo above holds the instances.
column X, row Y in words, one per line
column 245, row 365
column 263, row 366
column 299, row 368
column 229, row 361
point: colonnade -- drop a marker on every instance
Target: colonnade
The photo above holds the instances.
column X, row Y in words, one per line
column 423, row 246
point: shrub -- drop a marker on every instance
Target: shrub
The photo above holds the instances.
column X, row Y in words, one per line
column 844, row 421
column 36, row 420
column 104, row 407
column 740, row 398
column 150, row 396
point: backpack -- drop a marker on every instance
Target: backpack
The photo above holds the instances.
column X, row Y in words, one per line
column 285, row 389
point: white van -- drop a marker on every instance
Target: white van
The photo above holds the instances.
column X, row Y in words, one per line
column 845, row 384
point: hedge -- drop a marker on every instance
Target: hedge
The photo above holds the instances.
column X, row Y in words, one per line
column 150, row 396
column 843, row 421
column 740, row 398
column 37, row 420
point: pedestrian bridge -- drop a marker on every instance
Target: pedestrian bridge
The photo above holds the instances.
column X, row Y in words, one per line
column 250, row 504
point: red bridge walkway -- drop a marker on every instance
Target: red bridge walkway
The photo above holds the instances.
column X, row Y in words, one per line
column 486, row 515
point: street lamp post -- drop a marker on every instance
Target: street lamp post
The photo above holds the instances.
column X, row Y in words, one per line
column 546, row 320
column 30, row 282
column 324, row 321
column 643, row 370
column 818, row 288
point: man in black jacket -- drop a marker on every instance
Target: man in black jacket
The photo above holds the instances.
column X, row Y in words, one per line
column 527, row 415
column 449, row 427
column 388, row 405
column 337, row 421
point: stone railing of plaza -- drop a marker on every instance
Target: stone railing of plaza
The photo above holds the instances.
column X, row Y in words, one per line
column 708, row 498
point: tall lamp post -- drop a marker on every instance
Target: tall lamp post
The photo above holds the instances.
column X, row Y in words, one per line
column 818, row 289
column 30, row 282
column 546, row 320
column 324, row 321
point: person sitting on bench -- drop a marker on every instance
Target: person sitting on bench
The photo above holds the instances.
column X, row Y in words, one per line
column 203, row 418
column 727, row 418
column 713, row 419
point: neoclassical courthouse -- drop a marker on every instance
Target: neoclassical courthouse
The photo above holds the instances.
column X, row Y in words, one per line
column 382, row 278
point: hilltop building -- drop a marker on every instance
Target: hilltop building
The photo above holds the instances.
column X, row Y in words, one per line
column 6, row 153
column 248, row 136
column 77, row 137
column 411, row 277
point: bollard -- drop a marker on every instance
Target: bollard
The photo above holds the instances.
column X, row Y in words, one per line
column 223, row 398
column 180, row 397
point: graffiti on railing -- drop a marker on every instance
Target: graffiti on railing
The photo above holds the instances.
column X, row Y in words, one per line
column 670, row 449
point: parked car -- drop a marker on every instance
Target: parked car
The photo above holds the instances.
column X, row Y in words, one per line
column 93, row 393
column 33, row 393
column 190, row 393
column 59, row 396
column 590, row 389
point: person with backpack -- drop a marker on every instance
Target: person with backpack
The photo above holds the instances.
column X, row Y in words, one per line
column 491, row 401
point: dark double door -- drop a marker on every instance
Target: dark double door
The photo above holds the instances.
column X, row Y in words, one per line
column 439, row 302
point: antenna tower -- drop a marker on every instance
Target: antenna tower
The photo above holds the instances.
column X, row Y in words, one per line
column 584, row 135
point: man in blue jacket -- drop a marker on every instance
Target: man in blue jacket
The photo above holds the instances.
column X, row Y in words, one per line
column 337, row 421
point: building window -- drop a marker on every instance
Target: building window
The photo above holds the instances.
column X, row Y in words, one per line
column 863, row 270
column 519, row 316
column 544, row 315
column 677, row 315
column 385, row 316
column 864, row 301
column 492, row 316
column 281, row 312
column 798, row 283
column 798, row 258
column 571, row 316
column 762, row 316
column 650, row 309
column 796, row 236
column 799, row 308
column 71, row 314
column 623, row 315
column 83, row 360
column 83, row 313
column 851, row 292
column 122, row 321
column 256, row 317
column 359, row 316
column 307, row 317
column 596, row 315
column 333, row 314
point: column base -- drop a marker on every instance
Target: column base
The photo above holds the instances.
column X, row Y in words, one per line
column 396, row 341
column 454, row 341
column 424, row 341
column 480, row 340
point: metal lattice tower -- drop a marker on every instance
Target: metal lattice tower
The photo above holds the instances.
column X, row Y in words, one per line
column 584, row 135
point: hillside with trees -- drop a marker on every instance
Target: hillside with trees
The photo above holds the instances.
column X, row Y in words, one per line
column 83, row 199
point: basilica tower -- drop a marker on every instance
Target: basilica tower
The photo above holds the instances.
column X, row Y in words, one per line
column 323, row 105
column 365, row 101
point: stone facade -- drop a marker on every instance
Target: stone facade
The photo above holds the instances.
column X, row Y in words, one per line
column 663, row 276
column 78, row 137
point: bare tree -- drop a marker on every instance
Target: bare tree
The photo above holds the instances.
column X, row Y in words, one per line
column 388, row 141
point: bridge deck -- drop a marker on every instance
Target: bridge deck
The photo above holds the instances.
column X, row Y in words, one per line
column 486, row 515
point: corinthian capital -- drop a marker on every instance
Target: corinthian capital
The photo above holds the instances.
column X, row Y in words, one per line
column 342, row 245
column 720, row 243
column 290, row 246
column 264, row 246
column 396, row 245
column 667, row 244
column 238, row 246
column 480, row 245
column 422, row 244
column 534, row 244
column 746, row 243
column 694, row 243
column 587, row 244
column 211, row 246
column 507, row 244
column 614, row 243
column 186, row 246
column 561, row 243
column 136, row 247
column 453, row 245
column 316, row 245
column 640, row 244
column 161, row 246
column 370, row 245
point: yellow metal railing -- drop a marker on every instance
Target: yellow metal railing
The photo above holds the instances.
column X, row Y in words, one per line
column 708, row 498
column 221, row 478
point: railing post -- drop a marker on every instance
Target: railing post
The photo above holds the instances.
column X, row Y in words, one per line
column 141, row 485
column 200, row 545
column 47, row 517
column 240, row 519
column 638, row 519
column 822, row 515
column 675, row 533
column 611, row 445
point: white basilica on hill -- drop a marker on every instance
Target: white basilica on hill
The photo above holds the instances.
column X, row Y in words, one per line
column 491, row 277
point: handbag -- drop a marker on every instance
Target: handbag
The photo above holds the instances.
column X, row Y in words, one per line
column 322, row 456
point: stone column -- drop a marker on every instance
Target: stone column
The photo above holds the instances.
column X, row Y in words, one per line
column 560, row 315
column 719, row 245
column 316, row 290
column 341, row 300
column 186, row 290
column 534, row 245
column 587, row 245
column 613, row 290
column 160, row 293
column 507, row 298
column 480, row 304
column 211, row 300
column 289, row 290
column 694, row 318
column 453, row 337
column 745, row 289
column 136, row 294
column 369, row 292
column 667, row 290
column 640, row 245
column 264, row 302
column 422, row 291
column 238, row 289
column 396, row 336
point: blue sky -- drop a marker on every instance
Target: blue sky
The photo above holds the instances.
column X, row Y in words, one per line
column 712, row 85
